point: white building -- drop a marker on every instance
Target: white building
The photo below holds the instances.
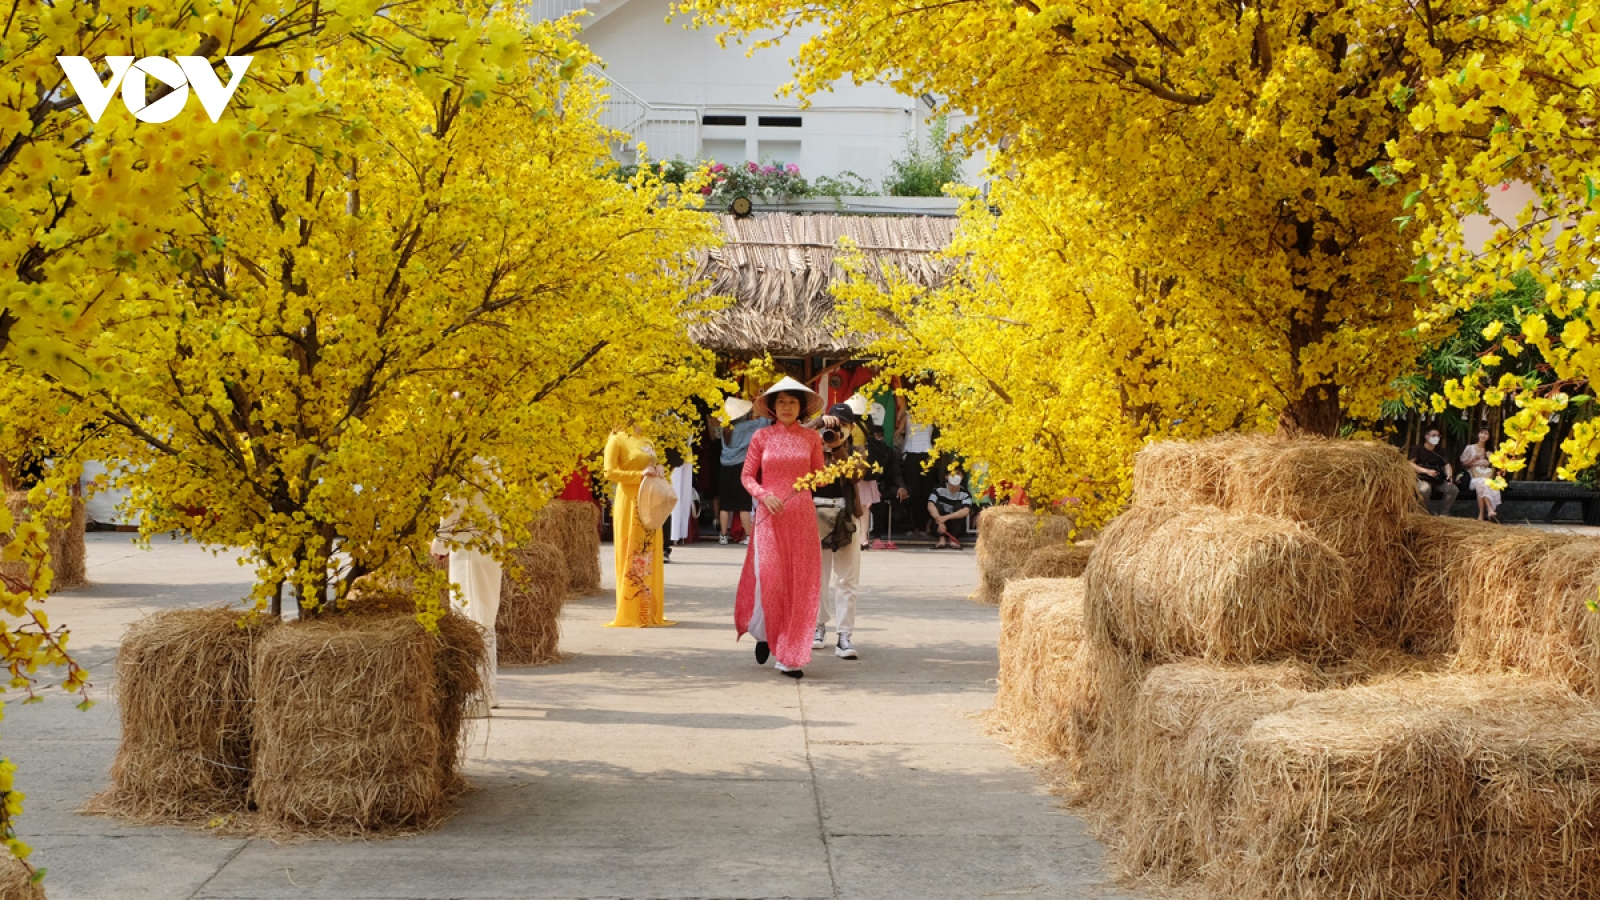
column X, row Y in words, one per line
column 680, row 94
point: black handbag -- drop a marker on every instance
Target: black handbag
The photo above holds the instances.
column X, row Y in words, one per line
column 836, row 527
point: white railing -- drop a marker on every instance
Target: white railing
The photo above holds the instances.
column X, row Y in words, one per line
column 544, row 10
column 667, row 131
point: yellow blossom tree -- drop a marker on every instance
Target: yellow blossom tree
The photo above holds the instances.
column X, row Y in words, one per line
column 1526, row 106
column 1053, row 365
column 82, row 200
column 434, row 289
column 1217, row 183
column 104, row 222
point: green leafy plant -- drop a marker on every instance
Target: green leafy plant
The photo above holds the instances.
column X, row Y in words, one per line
column 923, row 172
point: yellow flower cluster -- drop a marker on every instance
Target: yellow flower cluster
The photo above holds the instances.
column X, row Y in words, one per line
column 1529, row 98
column 852, row 467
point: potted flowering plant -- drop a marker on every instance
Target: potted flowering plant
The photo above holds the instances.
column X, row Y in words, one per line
column 768, row 181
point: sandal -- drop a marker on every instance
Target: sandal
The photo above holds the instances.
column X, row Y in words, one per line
column 955, row 544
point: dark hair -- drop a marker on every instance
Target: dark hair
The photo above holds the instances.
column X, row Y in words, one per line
column 798, row 398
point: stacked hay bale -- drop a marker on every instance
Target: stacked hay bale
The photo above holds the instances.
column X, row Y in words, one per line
column 1007, row 537
column 68, row 553
column 532, row 592
column 573, row 527
column 1058, row 562
column 1300, row 688
column 184, row 698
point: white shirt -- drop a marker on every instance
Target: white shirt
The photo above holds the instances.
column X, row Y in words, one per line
column 919, row 438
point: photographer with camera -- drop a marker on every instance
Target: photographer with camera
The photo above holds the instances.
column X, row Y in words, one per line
column 838, row 512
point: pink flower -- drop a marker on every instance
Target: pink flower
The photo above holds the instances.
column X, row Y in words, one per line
column 718, row 167
column 792, row 169
column 769, row 170
column 706, row 190
column 753, row 167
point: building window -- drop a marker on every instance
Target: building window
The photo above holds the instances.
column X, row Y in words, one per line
column 778, row 121
column 735, row 121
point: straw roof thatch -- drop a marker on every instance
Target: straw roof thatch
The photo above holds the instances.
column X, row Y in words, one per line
column 778, row 267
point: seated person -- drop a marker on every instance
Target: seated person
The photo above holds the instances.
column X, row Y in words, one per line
column 1433, row 474
column 950, row 510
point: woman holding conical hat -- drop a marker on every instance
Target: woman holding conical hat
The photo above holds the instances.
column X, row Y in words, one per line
column 777, row 600
column 641, row 582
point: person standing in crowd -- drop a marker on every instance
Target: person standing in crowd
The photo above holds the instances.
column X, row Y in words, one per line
column 950, row 510
column 891, row 487
column 778, row 588
column 838, row 516
column 1433, row 474
column 1475, row 459
column 731, row 495
column 641, row 580
column 917, row 450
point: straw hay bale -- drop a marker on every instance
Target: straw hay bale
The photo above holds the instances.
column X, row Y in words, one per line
column 1568, row 579
column 1437, row 549
column 460, row 659
column 1532, row 749
column 1476, row 786
column 1355, row 495
column 1179, row 760
column 1504, row 610
column 347, row 726
column 1183, row 473
column 527, row 627
column 17, row 880
column 1357, row 794
column 68, row 553
column 574, row 527
column 1007, row 536
column 1058, row 562
column 1048, row 697
column 184, row 698
column 1168, row 583
column 459, row 665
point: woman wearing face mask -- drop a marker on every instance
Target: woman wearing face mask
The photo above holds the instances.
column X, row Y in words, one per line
column 777, row 600
column 949, row 510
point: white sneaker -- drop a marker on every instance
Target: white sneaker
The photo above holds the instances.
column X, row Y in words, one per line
column 818, row 640
column 845, row 650
column 792, row 673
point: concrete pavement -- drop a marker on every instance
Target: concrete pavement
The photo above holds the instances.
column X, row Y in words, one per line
column 657, row 763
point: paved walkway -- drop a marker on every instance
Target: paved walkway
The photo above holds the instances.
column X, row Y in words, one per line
column 658, row 763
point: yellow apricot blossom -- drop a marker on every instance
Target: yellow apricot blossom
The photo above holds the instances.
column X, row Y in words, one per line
column 1527, row 99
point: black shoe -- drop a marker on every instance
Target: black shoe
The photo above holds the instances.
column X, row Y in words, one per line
column 792, row 673
column 762, row 652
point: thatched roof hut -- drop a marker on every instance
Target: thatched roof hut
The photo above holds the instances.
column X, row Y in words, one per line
column 778, row 267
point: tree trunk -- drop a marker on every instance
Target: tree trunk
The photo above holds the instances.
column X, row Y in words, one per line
column 1315, row 412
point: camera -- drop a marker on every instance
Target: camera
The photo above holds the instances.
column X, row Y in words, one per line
column 830, row 435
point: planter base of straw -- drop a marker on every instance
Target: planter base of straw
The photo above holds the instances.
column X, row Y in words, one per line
column 17, row 880
column 527, row 627
column 1007, row 536
column 574, row 527
column 347, row 727
column 184, row 695
column 68, row 553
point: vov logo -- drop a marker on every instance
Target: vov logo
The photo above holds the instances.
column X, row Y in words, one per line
column 188, row 73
